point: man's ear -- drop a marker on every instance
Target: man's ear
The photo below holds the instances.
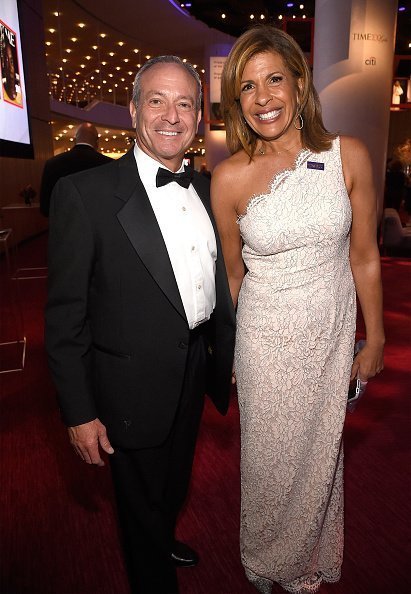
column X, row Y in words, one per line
column 132, row 109
column 198, row 119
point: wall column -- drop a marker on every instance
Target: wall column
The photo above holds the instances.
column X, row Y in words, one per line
column 354, row 45
column 215, row 145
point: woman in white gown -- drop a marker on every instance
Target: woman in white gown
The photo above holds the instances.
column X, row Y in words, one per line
column 296, row 212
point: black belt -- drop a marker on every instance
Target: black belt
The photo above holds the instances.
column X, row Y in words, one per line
column 199, row 330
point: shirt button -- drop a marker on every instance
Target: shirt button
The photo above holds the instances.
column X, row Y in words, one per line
column 199, row 287
column 184, row 209
column 193, row 248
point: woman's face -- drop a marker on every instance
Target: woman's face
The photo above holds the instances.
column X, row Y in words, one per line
column 268, row 95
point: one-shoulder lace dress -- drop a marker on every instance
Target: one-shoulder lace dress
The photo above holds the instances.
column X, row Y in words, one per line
column 296, row 325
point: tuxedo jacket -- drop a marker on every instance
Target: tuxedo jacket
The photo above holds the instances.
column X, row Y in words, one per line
column 81, row 157
column 116, row 331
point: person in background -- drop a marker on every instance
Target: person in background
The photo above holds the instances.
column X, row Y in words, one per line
column 139, row 319
column 83, row 155
column 296, row 211
column 204, row 171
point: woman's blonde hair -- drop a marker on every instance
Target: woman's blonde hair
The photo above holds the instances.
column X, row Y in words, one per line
column 257, row 40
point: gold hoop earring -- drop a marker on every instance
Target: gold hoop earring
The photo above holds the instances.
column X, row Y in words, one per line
column 301, row 122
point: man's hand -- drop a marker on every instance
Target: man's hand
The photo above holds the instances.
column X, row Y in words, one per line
column 86, row 439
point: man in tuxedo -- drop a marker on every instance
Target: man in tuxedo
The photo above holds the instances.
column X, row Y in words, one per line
column 83, row 155
column 139, row 319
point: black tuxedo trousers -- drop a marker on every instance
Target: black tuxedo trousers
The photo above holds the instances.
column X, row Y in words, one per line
column 151, row 486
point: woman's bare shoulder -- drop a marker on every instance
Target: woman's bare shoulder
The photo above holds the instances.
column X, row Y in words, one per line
column 353, row 148
column 230, row 169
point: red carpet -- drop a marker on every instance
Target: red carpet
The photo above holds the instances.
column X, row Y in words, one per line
column 58, row 529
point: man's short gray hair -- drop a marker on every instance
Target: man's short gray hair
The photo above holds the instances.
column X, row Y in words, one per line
column 166, row 60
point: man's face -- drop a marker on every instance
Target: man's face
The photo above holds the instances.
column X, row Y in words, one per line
column 166, row 118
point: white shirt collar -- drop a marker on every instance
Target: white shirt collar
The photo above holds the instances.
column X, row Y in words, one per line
column 148, row 167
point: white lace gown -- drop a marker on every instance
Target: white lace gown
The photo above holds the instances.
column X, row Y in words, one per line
column 295, row 338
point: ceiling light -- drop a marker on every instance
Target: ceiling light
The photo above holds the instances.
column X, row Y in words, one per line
column 135, row 50
column 148, row 57
column 74, row 39
column 130, row 73
column 68, row 50
column 111, row 54
column 121, row 43
column 251, row 16
column 111, row 75
column 81, row 25
column 64, row 60
column 56, row 13
column 118, row 68
column 280, row 16
column 301, row 6
column 82, row 65
column 125, row 60
column 262, row 17
column 71, row 126
column 103, row 35
column 223, row 16
column 88, row 57
column 52, row 30
column 104, row 63
column 48, row 42
column 94, row 47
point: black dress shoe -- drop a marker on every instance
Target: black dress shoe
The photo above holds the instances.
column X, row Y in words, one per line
column 183, row 556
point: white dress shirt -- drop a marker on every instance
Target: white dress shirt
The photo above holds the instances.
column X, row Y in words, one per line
column 189, row 237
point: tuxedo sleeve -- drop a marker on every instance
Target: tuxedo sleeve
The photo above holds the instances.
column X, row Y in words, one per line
column 71, row 254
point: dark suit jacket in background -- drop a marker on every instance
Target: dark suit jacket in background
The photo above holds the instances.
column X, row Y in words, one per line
column 80, row 157
column 116, row 331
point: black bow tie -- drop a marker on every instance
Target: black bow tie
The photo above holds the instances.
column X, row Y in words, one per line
column 164, row 177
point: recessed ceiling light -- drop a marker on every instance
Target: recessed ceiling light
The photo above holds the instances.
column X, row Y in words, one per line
column 52, row 30
column 74, row 39
column 103, row 35
column 121, row 43
column 81, row 25
column 94, row 47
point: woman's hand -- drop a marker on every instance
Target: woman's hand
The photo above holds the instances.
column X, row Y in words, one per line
column 368, row 362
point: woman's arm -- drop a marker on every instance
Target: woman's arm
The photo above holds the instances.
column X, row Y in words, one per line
column 223, row 202
column 364, row 254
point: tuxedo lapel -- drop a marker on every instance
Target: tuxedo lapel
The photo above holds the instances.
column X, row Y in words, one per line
column 140, row 225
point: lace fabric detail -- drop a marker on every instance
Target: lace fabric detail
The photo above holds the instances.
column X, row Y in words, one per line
column 295, row 337
column 279, row 177
column 302, row 585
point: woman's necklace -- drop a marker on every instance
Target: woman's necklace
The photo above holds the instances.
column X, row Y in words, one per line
column 262, row 151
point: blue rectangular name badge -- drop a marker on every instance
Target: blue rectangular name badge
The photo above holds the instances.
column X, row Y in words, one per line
column 315, row 165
